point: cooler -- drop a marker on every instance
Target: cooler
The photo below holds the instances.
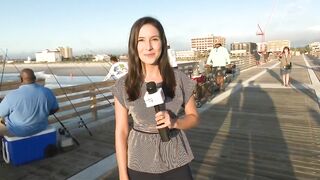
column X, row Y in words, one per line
column 21, row 150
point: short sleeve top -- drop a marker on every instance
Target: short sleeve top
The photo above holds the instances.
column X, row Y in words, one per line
column 146, row 151
column 285, row 60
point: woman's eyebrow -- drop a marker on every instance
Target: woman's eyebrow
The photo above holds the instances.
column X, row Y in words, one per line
column 158, row 36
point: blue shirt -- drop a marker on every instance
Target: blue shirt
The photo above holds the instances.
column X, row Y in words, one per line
column 27, row 108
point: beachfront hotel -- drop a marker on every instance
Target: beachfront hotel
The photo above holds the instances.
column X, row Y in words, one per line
column 48, row 56
column 54, row 55
column 206, row 43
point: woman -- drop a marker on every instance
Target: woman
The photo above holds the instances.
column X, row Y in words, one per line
column 140, row 153
column 285, row 65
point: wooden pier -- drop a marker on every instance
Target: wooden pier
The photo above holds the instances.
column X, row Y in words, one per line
column 256, row 129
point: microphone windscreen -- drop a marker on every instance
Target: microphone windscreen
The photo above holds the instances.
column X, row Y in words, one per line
column 151, row 87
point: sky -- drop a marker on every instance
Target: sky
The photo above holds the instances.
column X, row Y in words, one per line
column 103, row 26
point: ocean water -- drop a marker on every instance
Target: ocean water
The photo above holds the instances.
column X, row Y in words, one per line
column 51, row 82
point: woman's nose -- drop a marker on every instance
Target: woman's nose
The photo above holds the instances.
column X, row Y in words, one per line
column 148, row 46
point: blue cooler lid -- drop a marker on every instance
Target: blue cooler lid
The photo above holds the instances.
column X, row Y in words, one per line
column 14, row 138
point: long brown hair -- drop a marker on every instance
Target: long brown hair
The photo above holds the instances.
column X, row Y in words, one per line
column 286, row 47
column 283, row 52
column 135, row 76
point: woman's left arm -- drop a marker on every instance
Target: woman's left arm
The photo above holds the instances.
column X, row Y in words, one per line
column 190, row 120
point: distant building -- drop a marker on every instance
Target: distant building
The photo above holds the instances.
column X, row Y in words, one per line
column 48, row 56
column 123, row 58
column 262, row 47
column 29, row 60
column 206, row 43
column 277, row 45
column 101, row 57
column 66, row 52
column 185, row 54
column 315, row 46
column 239, row 49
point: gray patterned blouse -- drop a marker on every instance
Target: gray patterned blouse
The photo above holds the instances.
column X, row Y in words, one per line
column 146, row 151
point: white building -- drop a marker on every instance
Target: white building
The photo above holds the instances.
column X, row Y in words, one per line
column 315, row 46
column 101, row 57
column 185, row 54
column 48, row 56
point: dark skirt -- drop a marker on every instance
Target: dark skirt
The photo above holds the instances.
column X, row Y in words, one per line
column 180, row 173
column 284, row 71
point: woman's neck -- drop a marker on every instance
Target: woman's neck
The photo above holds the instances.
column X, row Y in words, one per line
column 152, row 73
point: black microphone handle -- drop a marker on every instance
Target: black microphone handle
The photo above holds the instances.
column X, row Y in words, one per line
column 164, row 132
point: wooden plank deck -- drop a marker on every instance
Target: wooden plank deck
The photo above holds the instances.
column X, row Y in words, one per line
column 260, row 133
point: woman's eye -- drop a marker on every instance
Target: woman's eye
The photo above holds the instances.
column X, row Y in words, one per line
column 139, row 40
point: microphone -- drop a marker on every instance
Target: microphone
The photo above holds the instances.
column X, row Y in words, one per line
column 154, row 97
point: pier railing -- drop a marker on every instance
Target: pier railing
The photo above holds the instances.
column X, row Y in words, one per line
column 15, row 84
column 86, row 99
column 89, row 99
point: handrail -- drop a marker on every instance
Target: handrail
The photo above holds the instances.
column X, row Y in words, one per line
column 89, row 101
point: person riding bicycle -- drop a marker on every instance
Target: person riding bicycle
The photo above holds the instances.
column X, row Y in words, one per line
column 218, row 59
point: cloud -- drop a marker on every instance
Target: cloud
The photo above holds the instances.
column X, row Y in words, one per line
column 314, row 28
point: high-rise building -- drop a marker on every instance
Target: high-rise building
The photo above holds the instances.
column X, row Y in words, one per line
column 66, row 52
column 277, row 45
column 206, row 43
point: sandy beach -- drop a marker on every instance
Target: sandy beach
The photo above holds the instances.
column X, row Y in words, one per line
column 63, row 69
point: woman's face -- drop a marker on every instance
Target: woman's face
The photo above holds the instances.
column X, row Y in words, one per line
column 286, row 50
column 149, row 44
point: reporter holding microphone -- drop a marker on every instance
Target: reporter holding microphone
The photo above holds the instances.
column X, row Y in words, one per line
column 156, row 147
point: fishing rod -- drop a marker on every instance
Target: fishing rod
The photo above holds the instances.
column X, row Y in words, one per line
column 66, row 130
column 3, row 66
column 82, row 123
column 94, row 84
column 7, row 57
column 14, row 65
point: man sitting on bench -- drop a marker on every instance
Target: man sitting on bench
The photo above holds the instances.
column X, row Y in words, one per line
column 25, row 111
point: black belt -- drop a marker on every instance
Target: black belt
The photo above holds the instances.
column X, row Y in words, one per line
column 144, row 131
column 170, row 130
